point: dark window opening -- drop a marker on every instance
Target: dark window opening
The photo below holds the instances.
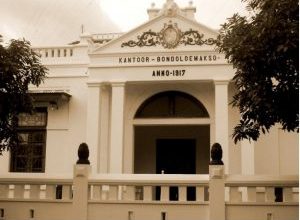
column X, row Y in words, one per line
column 29, row 155
column 278, row 194
column 59, row 191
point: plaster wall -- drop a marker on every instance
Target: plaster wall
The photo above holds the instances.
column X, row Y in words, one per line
column 149, row 211
column 4, row 162
column 46, row 210
column 277, row 152
column 234, row 149
column 66, row 126
column 289, row 152
column 260, row 212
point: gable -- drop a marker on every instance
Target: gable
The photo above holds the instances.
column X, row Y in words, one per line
column 162, row 34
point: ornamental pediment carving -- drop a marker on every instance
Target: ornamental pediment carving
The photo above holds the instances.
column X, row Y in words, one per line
column 170, row 36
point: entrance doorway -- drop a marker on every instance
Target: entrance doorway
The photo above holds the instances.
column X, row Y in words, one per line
column 176, row 156
column 176, row 149
column 172, row 134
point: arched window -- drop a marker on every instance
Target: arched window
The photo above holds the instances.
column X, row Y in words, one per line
column 172, row 104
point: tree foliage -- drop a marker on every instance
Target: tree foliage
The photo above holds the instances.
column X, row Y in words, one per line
column 263, row 49
column 19, row 67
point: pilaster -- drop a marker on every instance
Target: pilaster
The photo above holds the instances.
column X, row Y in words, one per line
column 93, row 121
column 221, row 118
column 116, row 127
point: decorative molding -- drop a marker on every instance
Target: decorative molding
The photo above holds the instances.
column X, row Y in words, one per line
column 95, row 84
column 221, row 81
column 118, row 84
column 147, row 39
column 193, row 37
column 169, row 37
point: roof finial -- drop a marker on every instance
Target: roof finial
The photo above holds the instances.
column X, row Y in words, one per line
column 170, row 8
column 82, row 28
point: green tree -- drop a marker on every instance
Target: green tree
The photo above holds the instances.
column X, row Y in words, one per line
column 20, row 66
column 263, row 48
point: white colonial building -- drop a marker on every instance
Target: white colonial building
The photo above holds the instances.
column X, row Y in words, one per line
column 149, row 101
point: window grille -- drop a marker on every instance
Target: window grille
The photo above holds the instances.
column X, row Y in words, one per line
column 29, row 155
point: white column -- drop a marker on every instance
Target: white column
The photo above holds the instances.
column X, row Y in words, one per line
column 93, row 122
column 221, row 119
column 116, row 128
column 104, row 129
column 247, row 157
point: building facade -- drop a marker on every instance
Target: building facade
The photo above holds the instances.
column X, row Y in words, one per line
column 152, row 101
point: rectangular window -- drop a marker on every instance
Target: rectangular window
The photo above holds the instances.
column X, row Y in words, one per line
column 29, row 156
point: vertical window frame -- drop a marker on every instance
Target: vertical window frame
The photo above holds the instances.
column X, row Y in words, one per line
column 31, row 130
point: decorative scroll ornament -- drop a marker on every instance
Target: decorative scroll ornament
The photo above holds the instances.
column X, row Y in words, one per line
column 147, row 39
column 169, row 37
column 193, row 37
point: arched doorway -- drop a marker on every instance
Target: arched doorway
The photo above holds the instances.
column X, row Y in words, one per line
column 171, row 135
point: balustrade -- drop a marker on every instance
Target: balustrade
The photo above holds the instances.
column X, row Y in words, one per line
column 67, row 51
column 262, row 189
column 170, row 196
column 145, row 188
column 56, row 52
column 163, row 190
column 154, row 188
column 42, row 188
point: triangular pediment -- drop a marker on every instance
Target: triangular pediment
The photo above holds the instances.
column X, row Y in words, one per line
column 162, row 34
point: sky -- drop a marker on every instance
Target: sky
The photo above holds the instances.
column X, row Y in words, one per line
column 130, row 13
column 58, row 22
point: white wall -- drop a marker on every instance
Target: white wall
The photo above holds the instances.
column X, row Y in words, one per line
column 4, row 162
column 66, row 126
column 234, row 149
column 289, row 152
column 277, row 152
